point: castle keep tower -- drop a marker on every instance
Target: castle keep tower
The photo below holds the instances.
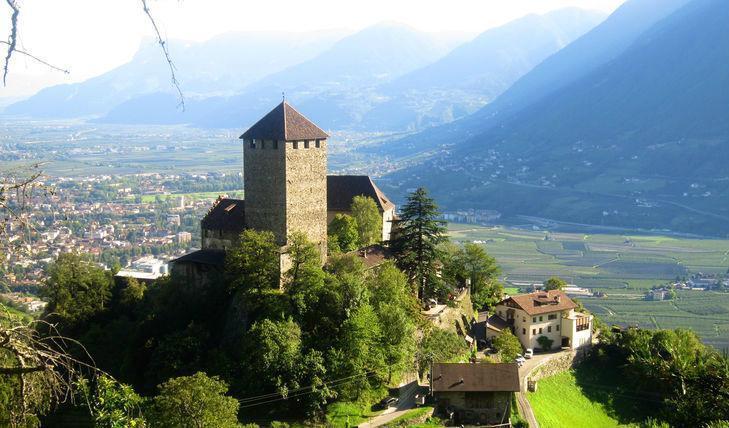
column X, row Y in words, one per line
column 285, row 176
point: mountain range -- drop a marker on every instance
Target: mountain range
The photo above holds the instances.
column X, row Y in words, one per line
column 375, row 79
column 636, row 137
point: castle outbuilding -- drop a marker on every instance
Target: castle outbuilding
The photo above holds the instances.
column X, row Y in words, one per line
column 287, row 190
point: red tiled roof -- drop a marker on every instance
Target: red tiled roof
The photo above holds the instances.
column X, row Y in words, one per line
column 284, row 123
column 541, row 302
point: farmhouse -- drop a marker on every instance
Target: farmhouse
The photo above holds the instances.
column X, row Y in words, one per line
column 287, row 190
column 549, row 314
column 474, row 393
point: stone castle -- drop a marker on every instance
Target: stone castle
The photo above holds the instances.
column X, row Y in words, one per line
column 287, row 190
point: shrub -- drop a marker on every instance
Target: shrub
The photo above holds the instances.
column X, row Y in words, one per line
column 545, row 342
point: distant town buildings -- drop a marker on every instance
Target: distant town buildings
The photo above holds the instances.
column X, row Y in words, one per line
column 145, row 269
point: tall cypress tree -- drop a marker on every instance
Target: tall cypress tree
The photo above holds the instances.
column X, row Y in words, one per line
column 417, row 234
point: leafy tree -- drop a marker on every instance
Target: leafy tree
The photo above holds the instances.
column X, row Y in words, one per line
column 305, row 262
column 114, row 405
column 472, row 263
column 132, row 292
column 76, row 289
column 507, row 345
column 368, row 220
column 361, row 353
column 273, row 350
column 545, row 342
column 397, row 337
column 440, row 346
column 195, row 401
column 418, row 232
column 343, row 231
column 387, row 284
column 253, row 264
column 555, row 283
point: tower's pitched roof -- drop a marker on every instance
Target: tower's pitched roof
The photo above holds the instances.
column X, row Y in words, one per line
column 284, row 123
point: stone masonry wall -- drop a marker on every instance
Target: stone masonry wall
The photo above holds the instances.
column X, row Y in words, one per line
column 264, row 171
column 559, row 364
column 306, row 190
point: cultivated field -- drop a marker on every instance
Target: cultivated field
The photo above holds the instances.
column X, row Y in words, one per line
column 622, row 266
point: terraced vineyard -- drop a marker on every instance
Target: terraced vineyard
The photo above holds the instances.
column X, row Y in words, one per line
column 622, row 266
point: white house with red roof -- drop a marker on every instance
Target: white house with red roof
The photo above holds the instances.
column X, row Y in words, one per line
column 543, row 313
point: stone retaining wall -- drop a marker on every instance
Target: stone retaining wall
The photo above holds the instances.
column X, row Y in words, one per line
column 557, row 365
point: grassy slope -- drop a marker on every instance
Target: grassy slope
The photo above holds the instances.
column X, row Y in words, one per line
column 559, row 402
column 591, row 393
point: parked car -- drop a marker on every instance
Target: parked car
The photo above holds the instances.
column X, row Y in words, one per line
column 388, row 402
column 529, row 353
column 520, row 360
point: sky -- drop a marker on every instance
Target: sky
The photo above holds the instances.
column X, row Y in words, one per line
column 90, row 37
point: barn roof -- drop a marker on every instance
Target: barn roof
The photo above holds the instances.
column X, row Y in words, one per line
column 284, row 123
column 475, row 377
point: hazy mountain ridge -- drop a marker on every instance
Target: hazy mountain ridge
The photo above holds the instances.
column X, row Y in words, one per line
column 641, row 140
column 595, row 48
column 357, row 83
column 210, row 68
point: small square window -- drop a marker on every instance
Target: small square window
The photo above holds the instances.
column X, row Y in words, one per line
column 296, row 144
column 306, row 144
column 541, row 319
column 318, row 144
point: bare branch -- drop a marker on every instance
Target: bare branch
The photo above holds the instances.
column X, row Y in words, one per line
column 35, row 58
column 13, row 39
column 163, row 44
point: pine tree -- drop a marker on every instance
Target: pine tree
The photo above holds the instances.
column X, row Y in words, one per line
column 417, row 234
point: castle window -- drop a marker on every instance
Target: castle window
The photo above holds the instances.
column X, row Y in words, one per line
column 523, row 331
column 253, row 144
column 534, row 319
column 296, row 144
column 263, row 144
column 541, row 319
column 534, row 332
column 306, row 144
column 540, row 330
column 549, row 329
column 552, row 316
column 557, row 327
column 318, row 144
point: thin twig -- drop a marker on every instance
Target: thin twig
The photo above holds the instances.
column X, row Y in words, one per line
column 13, row 39
column 36, row 59
column 163, row 44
